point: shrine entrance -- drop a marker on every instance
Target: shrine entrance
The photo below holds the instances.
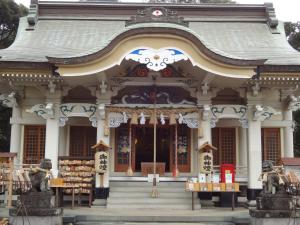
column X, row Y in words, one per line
column 142, row 147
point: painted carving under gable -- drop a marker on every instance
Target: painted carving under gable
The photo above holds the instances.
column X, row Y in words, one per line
column 45, row 111
column 294, row 103
column 156, row 60
column 78, row 110
column 8, row 100
column 229, row 111
column 263, row 113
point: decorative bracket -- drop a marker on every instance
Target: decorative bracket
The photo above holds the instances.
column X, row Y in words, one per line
column 264, row 113
column 293, row 103
column 78, row 110
column 191, row 120
column 229, row 111
column 45, row 111
column 8, row 100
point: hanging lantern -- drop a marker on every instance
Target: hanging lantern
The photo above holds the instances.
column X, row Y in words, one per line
column 152, row 119
column 172, row 119
column 162, row 119
column 143, row 119
column 180, row 119
column 134, row 118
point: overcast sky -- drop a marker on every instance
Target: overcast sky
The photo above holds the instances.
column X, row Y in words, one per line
column 286, row 10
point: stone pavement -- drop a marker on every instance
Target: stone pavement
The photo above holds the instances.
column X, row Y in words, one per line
column 89, row 216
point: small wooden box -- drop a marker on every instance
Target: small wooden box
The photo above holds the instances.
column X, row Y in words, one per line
column 216, row 187
column 223, row 185
column 236, row 187
column 57, row 182
column 209, row 186
column 233, row 187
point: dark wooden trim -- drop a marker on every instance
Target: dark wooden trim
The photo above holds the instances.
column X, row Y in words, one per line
column 155, row 31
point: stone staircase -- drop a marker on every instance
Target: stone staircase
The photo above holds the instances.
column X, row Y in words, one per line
column 137, row 195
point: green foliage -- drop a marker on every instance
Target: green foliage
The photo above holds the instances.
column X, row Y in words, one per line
column 296, row 116
column 5, row 114
column 292, row 31
column 10, row 12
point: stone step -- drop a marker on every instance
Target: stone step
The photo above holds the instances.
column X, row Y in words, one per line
column 151, row 223
column 146, row 189
column 145, row 184
column 114, row 194
column 164, row 201
column 153, row 206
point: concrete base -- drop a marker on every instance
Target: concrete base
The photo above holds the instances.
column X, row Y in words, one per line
column 273, row 221
column 36, row 220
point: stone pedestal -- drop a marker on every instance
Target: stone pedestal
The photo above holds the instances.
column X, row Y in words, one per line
column 35, row 208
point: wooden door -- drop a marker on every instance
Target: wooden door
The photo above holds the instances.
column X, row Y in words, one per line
column 34, row 143
column 225, row 140
column 82, row 138
column 183, row 148
column 271, row 144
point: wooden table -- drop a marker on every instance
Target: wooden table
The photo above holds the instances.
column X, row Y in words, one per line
column 59, row 188
column 232, row 197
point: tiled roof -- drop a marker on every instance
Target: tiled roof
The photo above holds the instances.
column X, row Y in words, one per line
column 67, row 38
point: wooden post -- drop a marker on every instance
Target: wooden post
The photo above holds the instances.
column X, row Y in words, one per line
column 129, row 170
column 175, row 170
column 10, row 182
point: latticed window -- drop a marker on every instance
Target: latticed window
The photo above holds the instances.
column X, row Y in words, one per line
column 271, row 144
column 224, row 139
column 34, row 144
column 81, row 140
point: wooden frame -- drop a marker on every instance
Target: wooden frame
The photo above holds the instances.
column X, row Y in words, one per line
column 217, row 141
column 40, row 141
column 265, row 133
column 87, row 135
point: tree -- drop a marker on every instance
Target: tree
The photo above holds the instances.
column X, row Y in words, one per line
column 292, row 31
column 10, row 13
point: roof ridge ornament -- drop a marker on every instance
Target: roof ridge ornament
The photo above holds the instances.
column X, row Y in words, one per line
column 271, row 17
column 156, row 15
column 32, row 17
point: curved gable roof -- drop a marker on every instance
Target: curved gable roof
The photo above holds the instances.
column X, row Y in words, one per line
column 67, row 40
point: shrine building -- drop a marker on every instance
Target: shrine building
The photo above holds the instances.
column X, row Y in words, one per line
column 85, row 71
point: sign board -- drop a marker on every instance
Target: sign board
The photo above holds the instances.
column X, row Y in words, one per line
column 206, row 162
column 101, row 162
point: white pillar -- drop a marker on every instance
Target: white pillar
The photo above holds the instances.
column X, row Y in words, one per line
column 288, row 134
column 206, row 137
column 254, row 159
column 243, row 146
column 15, row 135
column 105, row 139
column 52, row 141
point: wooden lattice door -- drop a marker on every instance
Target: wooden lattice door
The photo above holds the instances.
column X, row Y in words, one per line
column 34, row 143
column 271, row 144
column 225, row 140
column 82, row 138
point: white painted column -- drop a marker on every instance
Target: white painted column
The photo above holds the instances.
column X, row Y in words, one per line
column 288, row 134
column 243, row 147
column 206, row 129
column 52, row 141
column 105, row 139
column 15, row 135
column 254, row 158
